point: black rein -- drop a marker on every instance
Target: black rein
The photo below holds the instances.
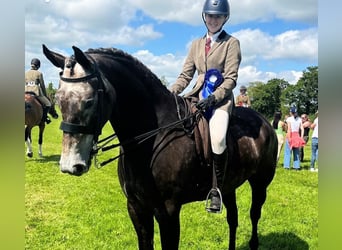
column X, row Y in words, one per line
column 96, row 128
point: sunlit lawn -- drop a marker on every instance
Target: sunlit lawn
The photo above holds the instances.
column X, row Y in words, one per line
column 89, row 212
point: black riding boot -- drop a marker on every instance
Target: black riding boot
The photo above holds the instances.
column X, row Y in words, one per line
column 45, row 114
column 215, row 194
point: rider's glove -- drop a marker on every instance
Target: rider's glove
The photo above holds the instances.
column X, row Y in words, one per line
column 204, row 104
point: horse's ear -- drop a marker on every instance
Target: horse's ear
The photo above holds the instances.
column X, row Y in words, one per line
column 56, row 59
column 81, row 58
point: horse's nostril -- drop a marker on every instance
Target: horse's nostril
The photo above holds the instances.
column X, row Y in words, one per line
column 78, row 169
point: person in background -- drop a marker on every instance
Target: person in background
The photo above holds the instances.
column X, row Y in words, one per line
column 279, row 127
column 243, row 100
column 314, row 143
column 216, row 57
column 293, row 140
column 306, row 125
column 34, row 82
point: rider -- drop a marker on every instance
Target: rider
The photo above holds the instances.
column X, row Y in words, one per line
column 224, row 57
column 34, row 82
column 243, row 99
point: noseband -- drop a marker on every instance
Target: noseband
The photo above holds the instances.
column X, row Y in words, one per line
column 92, row 128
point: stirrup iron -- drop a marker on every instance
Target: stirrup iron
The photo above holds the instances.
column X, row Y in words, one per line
column 210, row 194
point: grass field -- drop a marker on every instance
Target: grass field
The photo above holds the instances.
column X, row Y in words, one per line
column 89, row 212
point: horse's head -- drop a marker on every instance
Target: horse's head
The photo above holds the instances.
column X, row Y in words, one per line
column 79, row 97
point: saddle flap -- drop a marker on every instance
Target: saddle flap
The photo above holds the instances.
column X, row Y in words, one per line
column 201, row 133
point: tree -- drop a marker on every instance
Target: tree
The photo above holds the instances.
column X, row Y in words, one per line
column 308, row 86
column 303, row 95
column 51, row 91
column 266, row 97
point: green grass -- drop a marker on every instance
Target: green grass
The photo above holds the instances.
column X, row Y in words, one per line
column 89, row 212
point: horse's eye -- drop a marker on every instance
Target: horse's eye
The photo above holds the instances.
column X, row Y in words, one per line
column 88, row 103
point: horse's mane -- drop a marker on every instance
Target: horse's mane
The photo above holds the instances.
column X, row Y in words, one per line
column 145, row 74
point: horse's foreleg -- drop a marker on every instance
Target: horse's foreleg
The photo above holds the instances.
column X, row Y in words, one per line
column 258, row 199
column 169, row 227
column 232, row 217
column 40, row 152
column 40, row 139
column 143, row 222
column 29, row 152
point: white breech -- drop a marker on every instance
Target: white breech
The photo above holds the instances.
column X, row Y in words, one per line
column 218, row 125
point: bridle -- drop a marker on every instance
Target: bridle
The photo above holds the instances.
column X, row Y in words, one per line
column 96, row 129
column 92, row 128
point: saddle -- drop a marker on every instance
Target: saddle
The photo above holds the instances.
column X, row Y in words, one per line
column 33, row 88
column 200, row 132
column 33, row 94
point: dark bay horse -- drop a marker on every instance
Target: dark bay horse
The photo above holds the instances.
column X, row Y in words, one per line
column 33, row 117
column 159, row 167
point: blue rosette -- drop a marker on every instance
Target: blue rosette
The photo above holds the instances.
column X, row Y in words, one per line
column 212, row 79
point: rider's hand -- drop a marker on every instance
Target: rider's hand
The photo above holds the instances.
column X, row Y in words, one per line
column 206, row 103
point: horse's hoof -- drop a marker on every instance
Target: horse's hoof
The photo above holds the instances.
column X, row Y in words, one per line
column 30, row 154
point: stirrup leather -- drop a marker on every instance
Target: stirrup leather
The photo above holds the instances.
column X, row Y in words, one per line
column 210, row 194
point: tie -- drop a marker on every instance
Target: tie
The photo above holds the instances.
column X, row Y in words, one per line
column 207, row 45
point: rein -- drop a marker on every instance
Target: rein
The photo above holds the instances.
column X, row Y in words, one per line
column 140, row 138
column 96, row 129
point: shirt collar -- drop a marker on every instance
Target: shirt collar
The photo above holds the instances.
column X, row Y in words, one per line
column 215, row 36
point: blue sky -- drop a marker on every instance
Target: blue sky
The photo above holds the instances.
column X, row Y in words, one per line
column 279, row 39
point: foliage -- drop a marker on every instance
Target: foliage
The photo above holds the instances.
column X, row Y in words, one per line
column 266, row 97
column 51, row 91
column 303, row 95
column 89, row 212
column 278, row 94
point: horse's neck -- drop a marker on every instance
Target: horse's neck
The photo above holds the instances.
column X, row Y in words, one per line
column 141, row 117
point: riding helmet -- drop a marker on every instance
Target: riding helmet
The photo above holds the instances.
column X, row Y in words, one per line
column 35, row 62
column 216, row 7
column 243, row 87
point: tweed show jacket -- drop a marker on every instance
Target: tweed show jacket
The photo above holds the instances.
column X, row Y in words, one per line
column 224, row 55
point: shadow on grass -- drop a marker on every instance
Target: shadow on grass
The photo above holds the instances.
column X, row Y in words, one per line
column 45, row 158
column 279, row 241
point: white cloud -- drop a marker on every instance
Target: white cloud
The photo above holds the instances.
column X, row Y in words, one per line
column 266, row 10
column 249, row 74
column 292, row 44
column 84, row 22
column 87, row 23
column 167, row 65
column 189, row 11
column 295, row 44
column 186, row 11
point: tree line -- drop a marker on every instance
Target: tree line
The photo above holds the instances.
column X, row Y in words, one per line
column 279, row 95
